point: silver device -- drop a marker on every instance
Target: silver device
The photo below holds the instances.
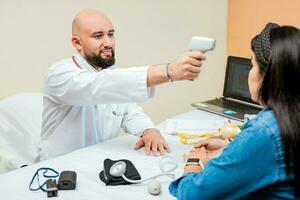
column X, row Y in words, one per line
column 202, row 44
column 118, row 169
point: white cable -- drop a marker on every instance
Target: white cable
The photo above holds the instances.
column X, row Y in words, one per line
column 169, row 161
column 146, row 179
column 162, row 164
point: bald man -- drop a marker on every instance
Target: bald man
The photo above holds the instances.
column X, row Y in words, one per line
column 87, row 99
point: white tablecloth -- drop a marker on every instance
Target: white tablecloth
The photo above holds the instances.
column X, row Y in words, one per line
column 88, row 162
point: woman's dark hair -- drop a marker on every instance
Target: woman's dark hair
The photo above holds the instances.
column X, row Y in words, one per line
column 280, row 91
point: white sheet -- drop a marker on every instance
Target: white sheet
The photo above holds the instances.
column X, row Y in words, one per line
column 174, row 126
column 20, row 125
column 88, row 162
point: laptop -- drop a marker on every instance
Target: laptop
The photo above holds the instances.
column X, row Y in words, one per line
column 236, row 100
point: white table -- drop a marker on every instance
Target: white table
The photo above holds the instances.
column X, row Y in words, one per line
column 88, row 162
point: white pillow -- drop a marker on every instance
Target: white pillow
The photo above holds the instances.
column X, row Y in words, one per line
column 20, row 126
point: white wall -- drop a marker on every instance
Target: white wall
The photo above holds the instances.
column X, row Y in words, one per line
column 36, row 33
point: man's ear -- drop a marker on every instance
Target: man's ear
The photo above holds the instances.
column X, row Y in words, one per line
column 76, row 42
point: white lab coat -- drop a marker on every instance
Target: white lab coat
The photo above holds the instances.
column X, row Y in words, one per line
column 84, row 107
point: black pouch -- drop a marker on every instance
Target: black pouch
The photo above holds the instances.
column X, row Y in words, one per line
column 131, row 173
column 67, row 180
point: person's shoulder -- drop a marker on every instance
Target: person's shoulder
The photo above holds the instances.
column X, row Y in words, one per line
column 266, row 118
column 265, row 125
column 63, row 63
column 259, row 132
column 61, row 66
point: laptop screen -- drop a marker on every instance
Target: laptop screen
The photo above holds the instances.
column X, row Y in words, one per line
column 236, row 79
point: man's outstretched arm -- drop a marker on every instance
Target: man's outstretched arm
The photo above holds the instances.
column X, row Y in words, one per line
column 187, row 67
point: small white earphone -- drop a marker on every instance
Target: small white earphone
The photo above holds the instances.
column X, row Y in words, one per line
column 118, row 169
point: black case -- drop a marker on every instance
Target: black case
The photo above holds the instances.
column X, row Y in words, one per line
column 67, row 180
column 108, row 179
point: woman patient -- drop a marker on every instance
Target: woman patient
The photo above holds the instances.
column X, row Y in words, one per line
column 263, row 161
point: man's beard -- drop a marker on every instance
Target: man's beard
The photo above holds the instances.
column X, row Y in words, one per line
column 97, row 61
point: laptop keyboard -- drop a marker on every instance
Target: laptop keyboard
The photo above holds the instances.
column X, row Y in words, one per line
column 231, row 105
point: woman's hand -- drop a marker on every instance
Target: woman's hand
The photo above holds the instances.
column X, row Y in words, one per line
column 199, row 153
column 212, row 144
column 205, row 151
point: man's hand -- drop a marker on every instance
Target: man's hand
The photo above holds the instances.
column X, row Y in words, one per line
column 187, row 67
column 153, row 141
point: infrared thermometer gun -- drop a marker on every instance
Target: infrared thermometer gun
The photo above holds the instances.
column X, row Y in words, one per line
column 202, row 44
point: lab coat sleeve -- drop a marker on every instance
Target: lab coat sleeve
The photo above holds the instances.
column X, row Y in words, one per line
column 136, row 121
column 73, row 86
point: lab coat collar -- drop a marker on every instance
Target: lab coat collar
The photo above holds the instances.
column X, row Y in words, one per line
column 85, row 65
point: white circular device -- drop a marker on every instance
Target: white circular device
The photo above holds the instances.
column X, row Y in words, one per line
column 154, row 187
column 118, row 169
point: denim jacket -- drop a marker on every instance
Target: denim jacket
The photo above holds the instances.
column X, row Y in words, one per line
column 251, row 167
